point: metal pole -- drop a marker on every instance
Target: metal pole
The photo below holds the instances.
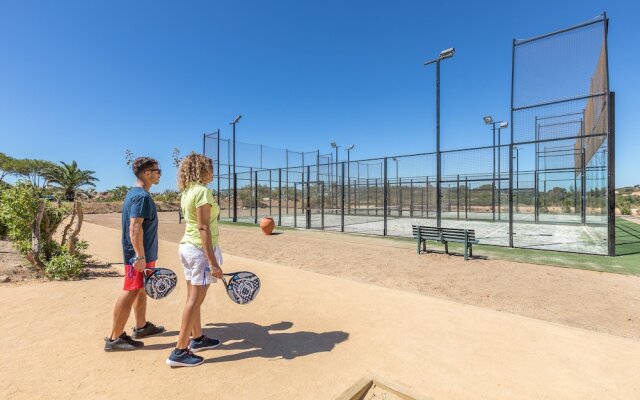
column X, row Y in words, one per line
column 251, row 190
column 349, row 179
column 308, row 197
column 270, row 193
column 384, row 232
column 499, row 178
column 536, row 185
column 218, row 168
column 255, row 188
column 493, row 184
column 458, row 195
column 295, row 205
column 321, row 204
column 511, row 233
column 336, row 191
column 342, row 195
column 611, row 177
column 286, row 178
column 279, row 196
column 235, row 181
column 438, row 161
column 204, row 138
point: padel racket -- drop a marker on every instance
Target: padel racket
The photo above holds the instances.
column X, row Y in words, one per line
column 158, row 282
column 242, row 287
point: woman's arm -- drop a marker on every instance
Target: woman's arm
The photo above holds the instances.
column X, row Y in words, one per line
column 203, row 216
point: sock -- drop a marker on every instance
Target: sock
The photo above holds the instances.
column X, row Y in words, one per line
column 199, row 339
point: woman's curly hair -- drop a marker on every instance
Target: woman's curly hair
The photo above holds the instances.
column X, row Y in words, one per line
column 194, row 168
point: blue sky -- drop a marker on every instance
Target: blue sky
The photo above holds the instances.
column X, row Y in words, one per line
column 85, row 80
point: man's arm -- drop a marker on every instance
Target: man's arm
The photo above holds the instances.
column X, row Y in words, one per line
column 136, row 235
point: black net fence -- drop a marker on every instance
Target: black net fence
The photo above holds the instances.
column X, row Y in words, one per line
column 545, row 184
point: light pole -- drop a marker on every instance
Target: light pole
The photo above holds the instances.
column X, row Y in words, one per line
column 235, row 180
column 444, row 54
column 489, row 121
column 349, row 148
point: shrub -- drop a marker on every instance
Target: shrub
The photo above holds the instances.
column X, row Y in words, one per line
column 63, row 267
column 18, row 208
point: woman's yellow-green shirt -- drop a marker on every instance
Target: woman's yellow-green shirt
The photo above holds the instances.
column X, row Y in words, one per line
column 193, row 197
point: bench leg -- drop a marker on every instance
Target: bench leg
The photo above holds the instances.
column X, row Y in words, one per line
column 424, row 246
column 470, row 250
column 418, row 249
column 446, row 247
column 466, row 250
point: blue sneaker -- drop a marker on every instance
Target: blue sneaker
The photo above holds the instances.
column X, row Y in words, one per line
column 183, row 358
column 204, row 343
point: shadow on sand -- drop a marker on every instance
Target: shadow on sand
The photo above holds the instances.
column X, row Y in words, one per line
column 259, row 341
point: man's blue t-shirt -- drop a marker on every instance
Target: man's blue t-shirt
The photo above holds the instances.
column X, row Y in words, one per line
column 139, row 204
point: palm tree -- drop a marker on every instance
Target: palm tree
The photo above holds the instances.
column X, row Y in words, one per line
column 69, row 177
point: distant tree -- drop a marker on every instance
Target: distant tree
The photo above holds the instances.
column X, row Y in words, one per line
column 70, row 178
column 33, row 170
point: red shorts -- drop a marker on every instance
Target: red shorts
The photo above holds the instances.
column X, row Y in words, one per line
column 133, row 280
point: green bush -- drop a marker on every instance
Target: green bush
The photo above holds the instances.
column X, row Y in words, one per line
column 63, row 267
column 624, row 205
column 18, row 208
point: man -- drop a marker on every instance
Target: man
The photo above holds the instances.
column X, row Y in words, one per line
column 140, row 250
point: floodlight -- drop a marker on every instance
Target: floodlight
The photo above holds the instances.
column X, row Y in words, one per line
column 504, row 124
column 448, row 53
column 488, row 119
column 235, row 121
column 351, row 147
column 334, row 145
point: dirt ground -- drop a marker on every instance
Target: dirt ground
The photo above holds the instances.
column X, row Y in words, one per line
column 13, row 267
column 311, row 335
column 596, row 301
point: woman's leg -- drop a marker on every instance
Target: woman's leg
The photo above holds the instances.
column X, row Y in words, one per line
column 196, row 328
column 191, row 309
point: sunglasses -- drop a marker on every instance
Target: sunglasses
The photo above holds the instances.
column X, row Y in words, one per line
column 155, row 169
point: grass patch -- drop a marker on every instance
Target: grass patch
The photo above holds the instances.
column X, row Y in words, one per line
column 627, row 260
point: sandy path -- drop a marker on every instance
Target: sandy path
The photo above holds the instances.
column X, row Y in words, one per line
column 307, row 336
column 593, row 300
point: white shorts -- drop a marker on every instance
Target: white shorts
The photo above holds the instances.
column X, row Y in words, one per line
column 195, row 264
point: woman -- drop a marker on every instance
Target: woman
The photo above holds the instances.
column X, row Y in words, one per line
column 199, row 254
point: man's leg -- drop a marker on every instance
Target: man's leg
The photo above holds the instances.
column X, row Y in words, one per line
column 122, row 311
column 140, row 308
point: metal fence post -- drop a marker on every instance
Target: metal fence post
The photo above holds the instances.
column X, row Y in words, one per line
column 384, row 232
column 255, row 188
column 279, row 196
column 295, row 205
column 308, row 198
column 342, row 196
column 611, row 176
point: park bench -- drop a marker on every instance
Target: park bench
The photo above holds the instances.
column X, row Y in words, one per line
column 445, row 235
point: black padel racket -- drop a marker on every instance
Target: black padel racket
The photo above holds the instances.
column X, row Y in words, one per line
column 242, row 287
column 159, row 282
